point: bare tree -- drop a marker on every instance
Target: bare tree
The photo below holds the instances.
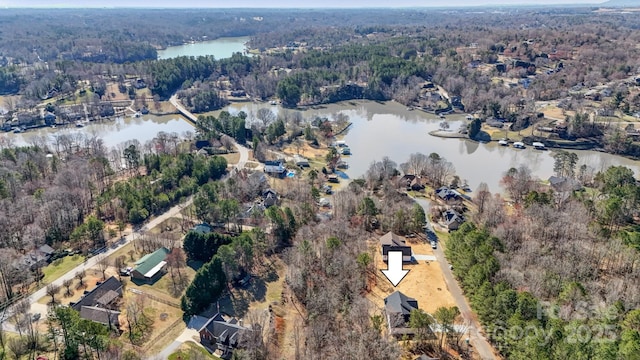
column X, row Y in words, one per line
column 67, row 284
column 103, row 265
column 53, row 290
column 80, row 276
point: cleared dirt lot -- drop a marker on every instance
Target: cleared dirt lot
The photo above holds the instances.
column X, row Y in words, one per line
column 424, row 282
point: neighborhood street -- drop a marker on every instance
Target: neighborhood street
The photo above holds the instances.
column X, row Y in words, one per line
column 480, row 345
column 174, row 211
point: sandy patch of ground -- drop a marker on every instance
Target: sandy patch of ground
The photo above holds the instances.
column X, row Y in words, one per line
column 424, row 282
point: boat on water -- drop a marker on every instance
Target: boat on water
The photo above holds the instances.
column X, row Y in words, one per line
column 345, row 151
column 342, row 165
column 503, row 142
column 538, row 146
column 273, row 102
column 519, row 145
column 79, row 125
column 17, row 131
column 441, row 116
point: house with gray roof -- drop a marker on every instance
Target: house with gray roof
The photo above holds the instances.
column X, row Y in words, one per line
column 101, row 304
column 221, row 335
column 393, row 242
column 151, row 266
column 452, row 219
column 397, row 309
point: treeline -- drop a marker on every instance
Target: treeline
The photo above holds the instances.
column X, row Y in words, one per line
column 10, row 81
column 556, row 276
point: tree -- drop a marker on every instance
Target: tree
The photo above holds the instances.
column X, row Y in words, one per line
column 132, row 157
column 53, row 290
column 474, row 128
column 482, row 196
column 420, row 322
column 418, row 218
column 67, row 284
column 446, row 317
column 80, row 276
column 565, row 163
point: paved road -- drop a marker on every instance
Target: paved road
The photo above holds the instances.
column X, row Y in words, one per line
column 94, row 260
column 244, row 157
column 479, row 344
column 243, row 151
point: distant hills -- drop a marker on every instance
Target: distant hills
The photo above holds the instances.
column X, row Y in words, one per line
column 621, row 3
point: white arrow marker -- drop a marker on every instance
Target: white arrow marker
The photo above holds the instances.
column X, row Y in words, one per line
column 394, row 271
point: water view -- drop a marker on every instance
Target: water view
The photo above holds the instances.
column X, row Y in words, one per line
column 114, row 132
column 391, row 130
column 220, row 48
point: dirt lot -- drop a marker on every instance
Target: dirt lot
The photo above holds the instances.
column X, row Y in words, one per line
column 424, row 282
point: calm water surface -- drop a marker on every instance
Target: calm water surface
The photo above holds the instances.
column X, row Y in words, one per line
column 391, row 130
column 115, row 132
column 220, row 48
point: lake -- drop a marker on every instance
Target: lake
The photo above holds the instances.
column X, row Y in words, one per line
column 391, row 130
column 115, row 132
column 220, row 48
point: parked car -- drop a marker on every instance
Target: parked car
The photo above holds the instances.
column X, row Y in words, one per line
column 35, row 317
column 434, row 245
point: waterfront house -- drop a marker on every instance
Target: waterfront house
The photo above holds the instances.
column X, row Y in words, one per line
column 452, row 219
column 151, row 266
column 393, row 242
column 448, row 196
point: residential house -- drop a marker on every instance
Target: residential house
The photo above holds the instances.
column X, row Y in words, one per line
column 49, row 118
column 448, row 196
column 397, row 309
column 220, row 335
column 139, row 84
column 269, row 198
column 300, row 161
column 406, row 180
column 452, row 219
column 416, row 184
column 563, row 187
column 561, row 183
column 151, row 266
column 107, row 317
column 274, row 167
column 393, row 242
column 26, row 118
column 37, row 258
column 202, row 228
column 101, row 303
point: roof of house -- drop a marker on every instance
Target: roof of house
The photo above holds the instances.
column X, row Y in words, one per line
column 446, row 193
column 99, row 293
column 226, row 331
column 203, row 228
column 451, row 216
column 150, row 264
column 46, row 249
column 392, row 239
column 107, row 298
column 400, row 303
column 561, row 183
column 99, row 315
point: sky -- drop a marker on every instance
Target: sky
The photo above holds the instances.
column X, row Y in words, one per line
column 277, row 3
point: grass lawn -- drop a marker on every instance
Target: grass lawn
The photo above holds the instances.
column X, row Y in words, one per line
column 232, row 158
column 188, row 349
column 60, row 267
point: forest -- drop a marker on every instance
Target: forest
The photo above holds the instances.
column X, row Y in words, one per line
column 557, row 277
